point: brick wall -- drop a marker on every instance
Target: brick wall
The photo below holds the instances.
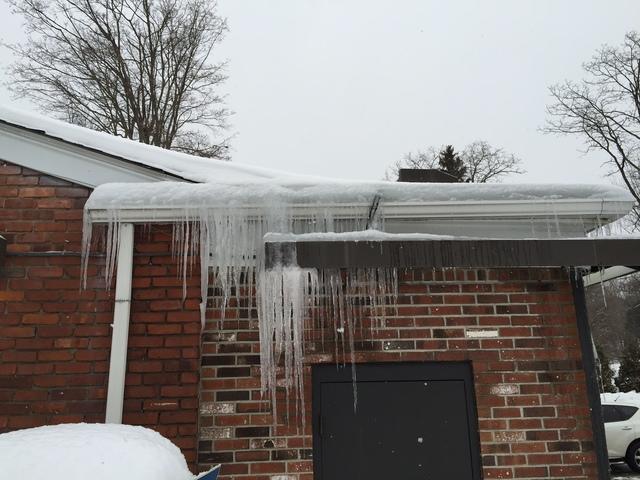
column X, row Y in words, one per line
column 164, row 344
column 55, row 339
column 54, row 348
column 533, row 413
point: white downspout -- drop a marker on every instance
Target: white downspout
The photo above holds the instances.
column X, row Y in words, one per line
column 120, row 336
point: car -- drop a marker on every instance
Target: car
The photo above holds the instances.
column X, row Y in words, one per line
column 622, row 430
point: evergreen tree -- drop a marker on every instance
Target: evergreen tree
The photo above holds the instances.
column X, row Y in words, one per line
column 605, row 373
column 629, row 375
column 449, row 161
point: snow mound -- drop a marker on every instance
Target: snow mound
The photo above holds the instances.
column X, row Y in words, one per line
column 96, row 451
column 632, row 397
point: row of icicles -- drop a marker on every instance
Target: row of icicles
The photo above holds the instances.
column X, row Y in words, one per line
column 229, row 243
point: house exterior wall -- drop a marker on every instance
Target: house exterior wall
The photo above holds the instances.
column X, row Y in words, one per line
column 55, row 338
column 161, row 386
column 530, row 388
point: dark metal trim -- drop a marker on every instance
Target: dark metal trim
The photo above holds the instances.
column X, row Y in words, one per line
column 589, row 366
column 3, row 249
column 494, row 253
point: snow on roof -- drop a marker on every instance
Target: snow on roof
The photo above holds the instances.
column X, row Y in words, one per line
column 232, row 184
column 188, row 167
column 325, row 192
column 369, row 235
column 96, row 451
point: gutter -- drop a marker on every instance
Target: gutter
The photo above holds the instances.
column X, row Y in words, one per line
column 598, row 211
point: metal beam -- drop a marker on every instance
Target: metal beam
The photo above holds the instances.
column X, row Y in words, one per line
column 120, row 336
column 494, row 253
column 3, row 249
column 589, row 366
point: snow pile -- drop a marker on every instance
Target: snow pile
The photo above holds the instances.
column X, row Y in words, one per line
column 631, row 398
column 95, row 451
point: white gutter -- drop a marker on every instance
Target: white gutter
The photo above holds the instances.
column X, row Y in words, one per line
column 120, row 336
column 603, row 210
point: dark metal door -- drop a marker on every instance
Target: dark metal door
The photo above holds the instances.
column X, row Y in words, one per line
column 412, row 421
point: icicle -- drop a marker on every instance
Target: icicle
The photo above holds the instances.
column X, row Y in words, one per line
column 229, row 242
column 87, row 234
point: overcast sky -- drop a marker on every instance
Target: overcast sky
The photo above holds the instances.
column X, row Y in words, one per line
column 345, row 87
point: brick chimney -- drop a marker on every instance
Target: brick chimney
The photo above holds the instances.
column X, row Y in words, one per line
column 425, row 175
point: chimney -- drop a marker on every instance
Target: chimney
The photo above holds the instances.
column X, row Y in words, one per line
column 425, row 175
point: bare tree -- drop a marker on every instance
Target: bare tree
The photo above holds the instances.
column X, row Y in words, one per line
column 489, row 164
column 484, row 163
column 140, row 69
column 604, row 109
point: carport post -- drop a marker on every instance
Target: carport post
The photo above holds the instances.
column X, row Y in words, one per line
column 120, row 336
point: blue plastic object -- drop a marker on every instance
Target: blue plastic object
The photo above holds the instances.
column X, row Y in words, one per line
column 210, row 475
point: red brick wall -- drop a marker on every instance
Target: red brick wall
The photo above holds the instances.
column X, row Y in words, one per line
column 54, row 348
column 164, row 344
column 55, row 339
column 533, row 410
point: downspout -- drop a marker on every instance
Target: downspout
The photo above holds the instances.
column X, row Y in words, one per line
column 589, row 366
column 120, row 336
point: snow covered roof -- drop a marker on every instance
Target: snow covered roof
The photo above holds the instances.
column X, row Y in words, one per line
column 174, row 165
column 163, row 184
column 333, row 192
column 462, row 209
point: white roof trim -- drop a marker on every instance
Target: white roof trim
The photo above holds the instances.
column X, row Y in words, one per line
column 515, row 219
column 70, row 162
column 526, row 209
column 607, row 275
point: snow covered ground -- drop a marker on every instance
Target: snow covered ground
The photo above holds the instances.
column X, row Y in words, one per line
column 620, row 471
column 96, row 451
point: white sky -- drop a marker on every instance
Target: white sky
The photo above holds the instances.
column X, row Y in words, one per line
column 345, row 87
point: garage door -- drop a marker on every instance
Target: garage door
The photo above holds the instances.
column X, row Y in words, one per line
column 412, row 421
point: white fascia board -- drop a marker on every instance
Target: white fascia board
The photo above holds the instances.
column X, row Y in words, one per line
column 586, row 209
column 70, row 162
column 509, row 219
